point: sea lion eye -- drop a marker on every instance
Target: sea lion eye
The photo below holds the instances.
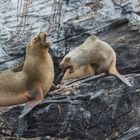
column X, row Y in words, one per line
column 35, row 38
column 67, row 59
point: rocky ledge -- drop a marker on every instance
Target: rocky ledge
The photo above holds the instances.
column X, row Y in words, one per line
column 98, row 107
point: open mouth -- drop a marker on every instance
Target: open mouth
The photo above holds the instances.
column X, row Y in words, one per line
column 42, row 36
column 65, row 66
column 71, row 70
column 70, row 67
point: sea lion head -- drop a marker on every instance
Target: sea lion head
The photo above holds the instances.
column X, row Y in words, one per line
column 66, row 64
column 40, row 41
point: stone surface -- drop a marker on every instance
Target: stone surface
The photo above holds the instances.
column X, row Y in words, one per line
column 71, row 20
column 100, row 108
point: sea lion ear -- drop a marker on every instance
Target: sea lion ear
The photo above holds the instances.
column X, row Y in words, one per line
column 67, row 59
column 93, row 37
column 48, row 44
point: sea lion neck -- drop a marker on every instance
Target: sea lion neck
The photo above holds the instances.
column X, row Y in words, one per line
column 36, row 51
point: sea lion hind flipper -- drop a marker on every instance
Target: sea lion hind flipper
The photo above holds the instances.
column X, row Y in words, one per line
column 35, row 97
column 27, row 108
column 113, row 71
column 121, row 77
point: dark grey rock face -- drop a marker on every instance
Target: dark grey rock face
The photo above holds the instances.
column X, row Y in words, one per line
column 100, row 107
column 97, row 108
column 74, row 19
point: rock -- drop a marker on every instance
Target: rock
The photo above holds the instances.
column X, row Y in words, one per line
column 72, row 19
column 102, row 107
column 134, row 22
column 99, row 107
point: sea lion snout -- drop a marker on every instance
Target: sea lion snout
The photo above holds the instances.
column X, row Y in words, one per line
column 66, row 66
column 65, row 63
column 42, row 37
column 62, row 66
column 45, row 41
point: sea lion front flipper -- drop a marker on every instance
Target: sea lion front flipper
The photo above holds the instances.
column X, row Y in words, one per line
column 54, row 87
column 35, row 97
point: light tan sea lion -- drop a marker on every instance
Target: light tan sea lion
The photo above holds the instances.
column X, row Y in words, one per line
column 96, row 52
column 34, row 81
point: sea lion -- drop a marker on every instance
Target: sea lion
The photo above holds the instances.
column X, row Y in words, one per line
column 96, row 52
column 82, row 71
column 35, row 79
